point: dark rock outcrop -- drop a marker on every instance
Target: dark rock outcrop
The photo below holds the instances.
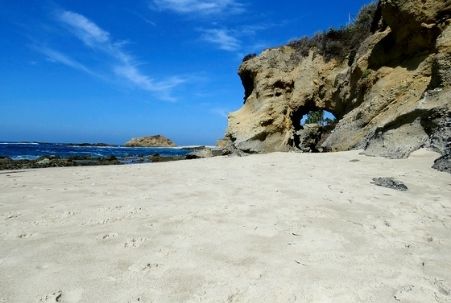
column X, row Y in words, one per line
column 443, row 164
column 386, row 79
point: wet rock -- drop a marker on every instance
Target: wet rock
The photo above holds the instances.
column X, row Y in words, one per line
column 5, row 160
column 390, row 183
column 159, row 158
column 52, row 161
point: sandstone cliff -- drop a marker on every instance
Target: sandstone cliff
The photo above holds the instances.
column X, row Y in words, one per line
column 150, row 141
column 386, row 78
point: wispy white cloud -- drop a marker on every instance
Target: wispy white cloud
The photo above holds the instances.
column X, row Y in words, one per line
column 162, row 88
column 123, row 64
column 231, row 38
column 143, row 18
column 58, row 57
column 85, row 29
column 222, row 38
column 202, row 7
column 220, row 35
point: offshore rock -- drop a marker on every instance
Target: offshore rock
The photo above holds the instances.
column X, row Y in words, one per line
column 150, row 141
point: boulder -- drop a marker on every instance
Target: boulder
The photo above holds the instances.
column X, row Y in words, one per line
column 308, row 137
column 204, row 152
column 443, row 163
column 43, row 161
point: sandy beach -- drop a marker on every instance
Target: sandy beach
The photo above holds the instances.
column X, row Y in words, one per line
column 280, row 227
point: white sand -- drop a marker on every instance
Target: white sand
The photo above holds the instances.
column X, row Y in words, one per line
column 282, row 227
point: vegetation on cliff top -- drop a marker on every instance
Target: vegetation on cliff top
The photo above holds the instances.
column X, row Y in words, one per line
column 249, row 56
column 340, row 43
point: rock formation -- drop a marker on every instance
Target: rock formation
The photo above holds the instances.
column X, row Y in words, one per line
column 386, row 78
column 150, row 141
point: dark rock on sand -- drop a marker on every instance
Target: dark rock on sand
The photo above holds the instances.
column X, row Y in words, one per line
column 390, row 183
column 443, row 163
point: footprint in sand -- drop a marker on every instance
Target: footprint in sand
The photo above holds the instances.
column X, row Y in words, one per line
column 442, row 287
column 143, row 267
column 68, row 214
column 12, row 216
column 403, row 292
column 24, row 236
column 137, row 299
column 108, row 236
column 53, row 297
column 134, row 242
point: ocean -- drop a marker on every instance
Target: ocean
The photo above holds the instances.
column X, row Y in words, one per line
column 34, row 150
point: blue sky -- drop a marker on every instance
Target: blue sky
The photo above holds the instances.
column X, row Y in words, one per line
column 105, row 71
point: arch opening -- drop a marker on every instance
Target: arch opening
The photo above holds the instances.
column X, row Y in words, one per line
column 312, row 125
column 321, row 117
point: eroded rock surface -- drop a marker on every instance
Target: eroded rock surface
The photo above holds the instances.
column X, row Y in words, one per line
column 390, row 92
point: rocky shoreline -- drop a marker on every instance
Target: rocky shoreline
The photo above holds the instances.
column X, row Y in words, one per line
column 7, row 163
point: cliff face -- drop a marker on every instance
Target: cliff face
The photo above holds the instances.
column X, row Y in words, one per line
column 389, row 89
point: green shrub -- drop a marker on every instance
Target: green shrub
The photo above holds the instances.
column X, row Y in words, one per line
column 319, row 117
column 366, row 73
column 249, row 57
column 315, row 117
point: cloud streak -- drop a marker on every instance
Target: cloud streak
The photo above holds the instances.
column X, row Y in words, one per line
column 122, row 63
column 199, row 7
column 85, row 29
column 222, row 38
column 162, row 88
column 230, row 40
column 58, row 57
